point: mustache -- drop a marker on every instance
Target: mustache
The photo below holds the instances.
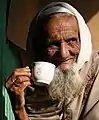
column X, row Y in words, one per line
column 60, row 60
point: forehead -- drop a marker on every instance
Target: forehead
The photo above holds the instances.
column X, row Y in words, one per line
column 62, row 24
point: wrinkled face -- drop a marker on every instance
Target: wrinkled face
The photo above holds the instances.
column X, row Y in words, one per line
column 62, row 41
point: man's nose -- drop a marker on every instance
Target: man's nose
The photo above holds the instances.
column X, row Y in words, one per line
column 64, row 50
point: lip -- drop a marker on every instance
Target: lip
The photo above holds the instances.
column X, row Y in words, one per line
column 66, row 64
column 67, row 61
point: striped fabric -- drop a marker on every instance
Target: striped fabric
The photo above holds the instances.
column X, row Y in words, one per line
column 8, row 108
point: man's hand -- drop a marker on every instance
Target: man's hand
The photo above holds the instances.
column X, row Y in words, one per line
column 16, row 83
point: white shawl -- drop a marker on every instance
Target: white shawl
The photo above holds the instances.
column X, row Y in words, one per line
column 85, row 36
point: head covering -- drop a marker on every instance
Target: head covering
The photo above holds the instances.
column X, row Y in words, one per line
column 85, row 36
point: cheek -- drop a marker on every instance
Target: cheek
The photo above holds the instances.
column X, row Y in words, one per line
column 75, row 49
column 51, row 53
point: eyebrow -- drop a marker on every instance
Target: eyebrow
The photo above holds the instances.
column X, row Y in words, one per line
column 51, row 41
column 71, row 38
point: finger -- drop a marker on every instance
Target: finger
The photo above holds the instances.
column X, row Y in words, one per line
column 14, row 79
column 18, row 90
column 25, row 84
column 21, row 73
column 23, row 69
column 21, row 79
column 18, row 72
column 10, row 81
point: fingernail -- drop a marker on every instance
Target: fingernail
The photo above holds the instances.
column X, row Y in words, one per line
column 29, row 73
column 27, row 66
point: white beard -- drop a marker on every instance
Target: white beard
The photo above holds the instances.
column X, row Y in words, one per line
column 65, row 85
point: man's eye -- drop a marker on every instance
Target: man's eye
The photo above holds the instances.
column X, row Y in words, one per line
column 72, row 41
column 53, row 48
column 53, row 43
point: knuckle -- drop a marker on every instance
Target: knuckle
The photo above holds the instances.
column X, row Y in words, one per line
column 18, row 78
column 15, row 73
column 24, row 83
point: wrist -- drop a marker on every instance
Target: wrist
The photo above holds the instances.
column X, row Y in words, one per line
column 21, row 113
column 19, row 107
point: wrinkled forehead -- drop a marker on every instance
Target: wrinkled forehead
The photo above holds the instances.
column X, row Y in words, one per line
column 61, row 21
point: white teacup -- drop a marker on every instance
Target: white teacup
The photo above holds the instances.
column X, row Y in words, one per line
column 43, row 72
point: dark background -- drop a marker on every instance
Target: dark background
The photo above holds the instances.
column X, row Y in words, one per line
column 22, row 12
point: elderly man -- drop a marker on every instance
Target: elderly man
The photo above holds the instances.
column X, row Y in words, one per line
column 58, row 35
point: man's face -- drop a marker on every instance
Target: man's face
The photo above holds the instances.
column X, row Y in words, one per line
column 62, row 41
